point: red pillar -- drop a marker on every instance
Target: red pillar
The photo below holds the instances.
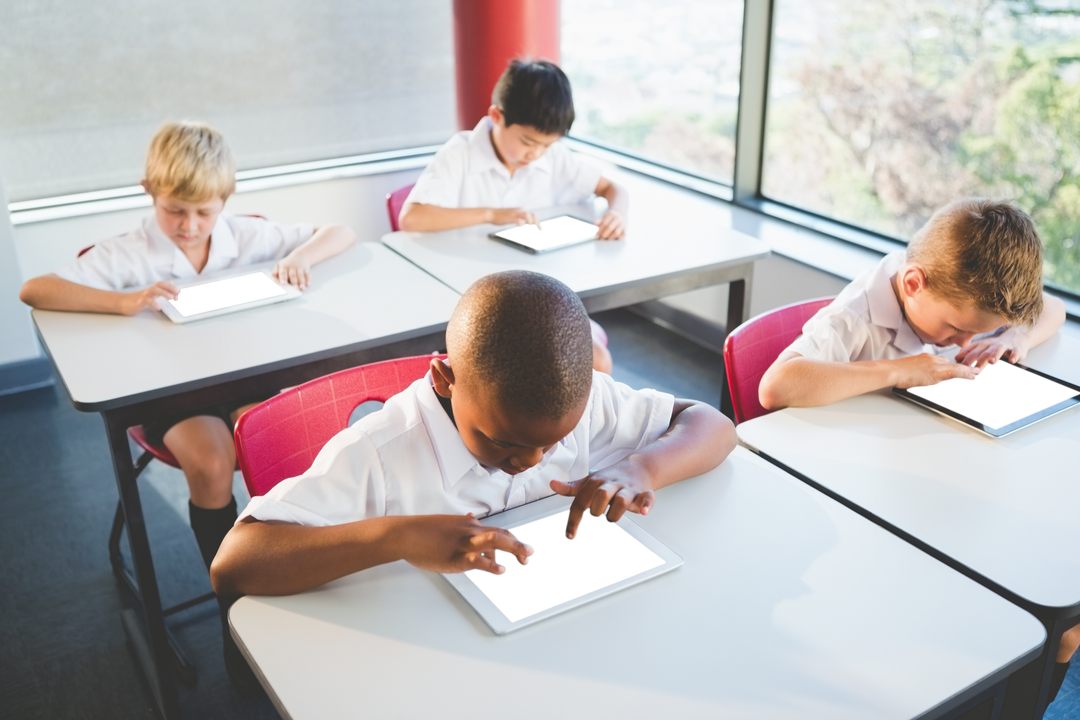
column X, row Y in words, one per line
column 488, row 34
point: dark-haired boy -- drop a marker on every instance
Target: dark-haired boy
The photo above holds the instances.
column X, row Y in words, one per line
column 514, row 414
column 512, row 162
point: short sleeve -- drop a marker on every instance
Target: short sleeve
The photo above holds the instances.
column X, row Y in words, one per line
column 622, row 420
column 575, row 178
column 441, row 182
column 262, row 240
column 832, row 335
column 345, row 484
column 108, row 265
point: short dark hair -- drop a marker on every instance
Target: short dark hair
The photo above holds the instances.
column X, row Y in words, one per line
column 525, row 338
column 535, row 94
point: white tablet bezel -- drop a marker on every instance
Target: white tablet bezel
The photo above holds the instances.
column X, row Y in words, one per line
column 1007, row 429
column 166, row 307
column 498, row 235
column 544, row 507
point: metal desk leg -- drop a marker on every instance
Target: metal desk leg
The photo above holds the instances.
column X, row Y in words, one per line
column 154, row 656
column 738, row 311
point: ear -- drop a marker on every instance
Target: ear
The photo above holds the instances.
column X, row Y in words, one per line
column 496, row 115
column 912, row 280
column 146, row 187
column 443, row 377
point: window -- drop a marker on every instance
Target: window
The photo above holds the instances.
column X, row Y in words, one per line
column 880, row 112
column 660, row 80
column 86, row 84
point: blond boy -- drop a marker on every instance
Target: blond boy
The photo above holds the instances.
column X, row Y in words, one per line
column 971, row 278
column 190, row 173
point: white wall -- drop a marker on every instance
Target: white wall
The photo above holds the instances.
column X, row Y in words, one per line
column 19, row 341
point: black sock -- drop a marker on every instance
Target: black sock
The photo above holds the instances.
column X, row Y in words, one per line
column 211, row 527
column 1058, row 677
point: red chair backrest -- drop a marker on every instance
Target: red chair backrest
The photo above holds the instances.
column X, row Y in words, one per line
column 280, row 438
column 753, row 346
column 394, row 202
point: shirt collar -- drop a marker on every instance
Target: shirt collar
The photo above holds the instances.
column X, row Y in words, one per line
column 455, row 460
column 482, row 157
column 885, row 310
column 223, row 247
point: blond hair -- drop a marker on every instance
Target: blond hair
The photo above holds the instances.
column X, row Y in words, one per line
column 191, row 162
column 983, row 253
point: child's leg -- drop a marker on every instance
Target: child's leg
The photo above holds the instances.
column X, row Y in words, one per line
column 601, row 356
column 1070, row 641
column 203, row 445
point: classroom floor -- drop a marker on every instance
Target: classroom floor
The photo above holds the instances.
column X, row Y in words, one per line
column 64, row 652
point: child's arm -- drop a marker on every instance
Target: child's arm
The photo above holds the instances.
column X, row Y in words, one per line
column 613, row 224
column 796, row 381
column 295, row 268
column 697, row 440
column 52, row 292
column 1015, row 343
column 421, row 217
column 274, row 558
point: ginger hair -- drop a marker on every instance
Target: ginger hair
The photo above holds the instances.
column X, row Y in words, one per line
column 984, row 254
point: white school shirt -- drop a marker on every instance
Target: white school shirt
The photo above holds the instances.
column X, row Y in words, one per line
column 146, row 255
column 408, row 459
column 467, row 173
column 864, row 322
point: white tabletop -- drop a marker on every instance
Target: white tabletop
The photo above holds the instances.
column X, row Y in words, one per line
column 664, row 242
column 1006, row 508
column 789, row 605
column 366, row 294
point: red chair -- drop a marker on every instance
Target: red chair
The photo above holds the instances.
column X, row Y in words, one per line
column 279, row 438
column 752, row 347
column 394, row 202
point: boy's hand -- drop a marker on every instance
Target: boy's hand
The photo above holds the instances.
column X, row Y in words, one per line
column 616, row 489
column 135, row 302
column 927, row 369
column 293, row 270
column 513, row 216
column 456, row 543
column 1011, row 345
column 612, row 226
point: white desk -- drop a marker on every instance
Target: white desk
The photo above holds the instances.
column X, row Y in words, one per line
column 789, row 606
column 365, row 297
column 666, row 251
column 1004, row 510
column 364, row 305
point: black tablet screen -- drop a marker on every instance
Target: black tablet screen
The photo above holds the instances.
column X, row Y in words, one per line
column 602, row 554
column 555, row 232
column 1003, row 393
column 223, row 294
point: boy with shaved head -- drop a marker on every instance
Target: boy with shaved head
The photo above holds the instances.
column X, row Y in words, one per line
column 515, row 413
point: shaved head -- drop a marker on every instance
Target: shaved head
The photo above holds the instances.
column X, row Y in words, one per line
column 524, row 340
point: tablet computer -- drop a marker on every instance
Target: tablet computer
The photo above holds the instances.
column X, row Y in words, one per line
column 561, row 574
column 1001, row 400
column 217, row 297
column 558, row 232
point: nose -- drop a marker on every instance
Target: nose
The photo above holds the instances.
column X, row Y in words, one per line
column 188, row 222
column 963, row 339
column 527, row 458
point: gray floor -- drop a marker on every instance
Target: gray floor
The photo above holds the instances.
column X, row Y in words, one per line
column 63, row 648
